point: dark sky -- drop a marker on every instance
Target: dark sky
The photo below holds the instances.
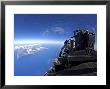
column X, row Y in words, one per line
column 51, row 26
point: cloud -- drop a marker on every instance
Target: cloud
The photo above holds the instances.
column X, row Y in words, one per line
column 58, row 30
column 45, row 33
column 23, row 50
column 52, row 30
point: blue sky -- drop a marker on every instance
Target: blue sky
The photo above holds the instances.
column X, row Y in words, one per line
column 51, row 26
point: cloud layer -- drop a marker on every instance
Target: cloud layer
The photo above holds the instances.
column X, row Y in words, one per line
column 28, row 49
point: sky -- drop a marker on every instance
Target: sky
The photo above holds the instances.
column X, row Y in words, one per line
column 54, row 27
